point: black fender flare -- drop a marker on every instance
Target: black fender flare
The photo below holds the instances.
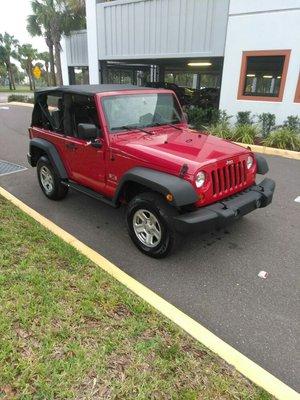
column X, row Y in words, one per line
column 51, row 153
column 262, row 165
column 161, row 182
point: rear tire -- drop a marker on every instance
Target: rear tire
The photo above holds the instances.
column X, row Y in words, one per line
column 49, row 181
column 149, row 224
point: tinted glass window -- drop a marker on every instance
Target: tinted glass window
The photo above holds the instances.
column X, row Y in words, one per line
column 263, row 75
column 141, row 110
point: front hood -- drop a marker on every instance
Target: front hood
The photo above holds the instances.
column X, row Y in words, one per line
column 170, row 148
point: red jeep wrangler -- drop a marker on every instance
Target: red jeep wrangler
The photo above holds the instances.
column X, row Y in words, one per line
column 132, row 145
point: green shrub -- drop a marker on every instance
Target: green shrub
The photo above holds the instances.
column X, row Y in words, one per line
column 201, row 118
column 293, row 123
column 267, row 123
column 283, row 138
column 20, row 98
column 244, row 118
column 222, row 130
column 219, row 116
column 198, row 118
column 245, row 133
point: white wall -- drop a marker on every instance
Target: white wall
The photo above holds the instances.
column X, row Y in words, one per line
column 64, row 61
column 251, row 27
column 92, row 45
column 76, row 46
column 129, row 29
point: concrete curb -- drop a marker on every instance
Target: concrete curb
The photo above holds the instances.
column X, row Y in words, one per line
column 244, row 365
column 295, row 155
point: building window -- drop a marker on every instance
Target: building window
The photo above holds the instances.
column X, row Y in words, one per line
column 263, row 75
column 297, row 95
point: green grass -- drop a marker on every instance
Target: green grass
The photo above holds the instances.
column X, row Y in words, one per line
column 69, row 331
column 25, row 89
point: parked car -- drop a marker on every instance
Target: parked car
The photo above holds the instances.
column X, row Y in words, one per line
column 131, row 145
column 206, row 98
column 183, row 97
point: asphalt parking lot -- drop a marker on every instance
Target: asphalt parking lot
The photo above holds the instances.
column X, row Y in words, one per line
column 214, row 277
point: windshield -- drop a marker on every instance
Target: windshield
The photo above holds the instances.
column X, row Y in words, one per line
column 141, row 110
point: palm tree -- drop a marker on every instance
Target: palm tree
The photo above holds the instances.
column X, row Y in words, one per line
column 39, row 25
column 8, row 45
column 26, row 55
column 56, row 18
column 77, row 6
column 45, row 56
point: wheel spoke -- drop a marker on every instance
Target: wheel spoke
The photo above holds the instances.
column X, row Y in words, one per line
column 139, row 228
column 46, row 179
column 149, row 239
column 147, row 228
column 156, row 233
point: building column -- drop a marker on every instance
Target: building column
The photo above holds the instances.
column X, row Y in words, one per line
column 71, row 76
column 64, row 61
column 92, row 40
column 103, row 72
column 161, row 73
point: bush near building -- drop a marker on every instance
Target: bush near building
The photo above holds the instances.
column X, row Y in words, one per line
column 249, row 129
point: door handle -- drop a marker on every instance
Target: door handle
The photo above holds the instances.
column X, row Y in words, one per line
column 71, row 146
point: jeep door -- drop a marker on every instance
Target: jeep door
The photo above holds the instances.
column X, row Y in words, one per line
column 86, row 163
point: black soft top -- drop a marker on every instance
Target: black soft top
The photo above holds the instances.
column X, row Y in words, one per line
column 90, row 89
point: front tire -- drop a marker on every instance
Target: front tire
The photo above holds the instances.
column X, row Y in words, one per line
column 149, row 224
column 49, row 181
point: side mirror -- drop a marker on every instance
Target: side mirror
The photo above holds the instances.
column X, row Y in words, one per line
column 87, row 131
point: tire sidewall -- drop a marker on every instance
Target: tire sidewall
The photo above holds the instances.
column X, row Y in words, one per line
column 44, row 162
column 59, row 191
column 167, row 237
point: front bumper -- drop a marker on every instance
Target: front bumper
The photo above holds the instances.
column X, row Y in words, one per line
column 218, row 215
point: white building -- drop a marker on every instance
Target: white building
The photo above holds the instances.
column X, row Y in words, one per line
column 248, row 49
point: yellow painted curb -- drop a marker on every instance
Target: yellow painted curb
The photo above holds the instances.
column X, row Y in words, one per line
column 295, row 155
column 243, row 364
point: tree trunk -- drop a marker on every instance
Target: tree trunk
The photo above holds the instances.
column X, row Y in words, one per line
column 9, row 78
column 12, row 85
column 47, row 73
column 52, row 65
column 49, row 43
column 29, row 77
column 58, row 63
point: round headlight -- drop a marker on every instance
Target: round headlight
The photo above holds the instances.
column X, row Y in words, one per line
column 200, row 179
column 249, row 162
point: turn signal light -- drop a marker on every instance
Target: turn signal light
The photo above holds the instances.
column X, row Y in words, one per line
column 169, row 197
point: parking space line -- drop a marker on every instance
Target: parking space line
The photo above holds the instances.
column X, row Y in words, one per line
column 244, row 365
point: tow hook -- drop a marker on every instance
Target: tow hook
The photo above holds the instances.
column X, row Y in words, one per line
column 224, row 205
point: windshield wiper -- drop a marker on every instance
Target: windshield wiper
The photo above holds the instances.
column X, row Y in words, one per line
column 165, row 123
column 134, row 128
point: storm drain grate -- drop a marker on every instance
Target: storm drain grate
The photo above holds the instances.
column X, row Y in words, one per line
column 9, row 168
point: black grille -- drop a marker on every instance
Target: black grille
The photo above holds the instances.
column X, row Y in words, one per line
column 229, row 177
